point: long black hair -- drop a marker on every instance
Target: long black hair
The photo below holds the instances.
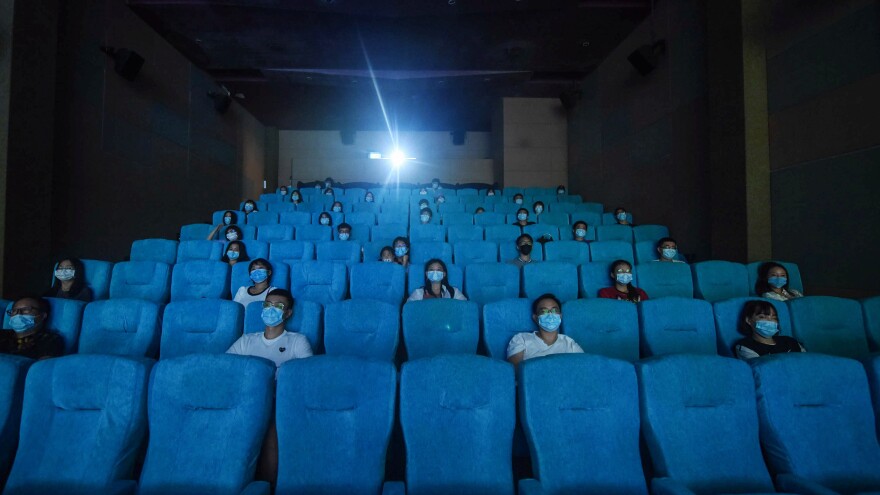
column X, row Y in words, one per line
column 256, row 208
column 632, row 291
column 234, row 228
column 79, row 276
column 231, row 214
column 761, row 285
column 429, row 286
column 242, row 252
column 750, row 310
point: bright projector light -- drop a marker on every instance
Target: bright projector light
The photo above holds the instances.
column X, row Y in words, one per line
column 398, row 158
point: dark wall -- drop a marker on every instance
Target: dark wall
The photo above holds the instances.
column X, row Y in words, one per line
column 641, row 141
column 823, row 76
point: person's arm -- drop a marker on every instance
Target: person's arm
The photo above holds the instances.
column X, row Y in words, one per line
column 213, row 233
column 516, row 358
column 237, row 347
column 459, row 295
column 643, row 296
column 516, row 349
column 745, row 353
column 575, row 347
column 417, row 295
column 301, row 348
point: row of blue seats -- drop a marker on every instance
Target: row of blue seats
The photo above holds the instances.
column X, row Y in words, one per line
column 335, row 416
column 370, row 328
column 592, row 211
column 404, row 190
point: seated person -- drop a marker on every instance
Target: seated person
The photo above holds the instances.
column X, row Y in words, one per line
column 343, row 231
column 28, row 336
column 423, row 203
column 274, row 343
column 260, row 271
column 387, row 254
column 479, row 210
column 761, row 325
column 623, row 289
column 401, row 251
column 296, row 197
column 524, row 244
column 440, row 199
column 773, row 283
column 579, row 231
column 235, row 251
column 368, row 197
column 425, row 216
column 232, row 233
column 436, row 284
column 435, row 184
column 282, row 191
column 229, row 218
column 620, row 216
column 70, row 281
column 328, row 191
column 490, row 192
column 423, row 192
column 249, row 207
column 325, row 219
column 336, row 207
column 667, row 249
column 538, row 208
column 547, row 313
column 518, row 198
column 560, row 190
column 328, row 183
column 522, row 218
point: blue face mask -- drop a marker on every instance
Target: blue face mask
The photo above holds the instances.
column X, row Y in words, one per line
column 435, row 275
column 233, row 255
column 777, row 282
column 325, row 221
column 550, row 321
column 343, row 236
column 624, row 278
column 425, row 218
column 621, row 216
column 521, row 217
column 580, row 232
column 400, row 251
column 227, row 220
column 766, row 328
column 231, row 236
column 248, row 207
column 22, row 323
column 272, row 316
column 337, row 209
column 669, row 253
column 369, row 199
column 259, row 275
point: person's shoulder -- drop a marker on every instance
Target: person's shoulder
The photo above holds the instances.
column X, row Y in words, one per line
column 772, row 295
column 787, row 341
column 608, row 292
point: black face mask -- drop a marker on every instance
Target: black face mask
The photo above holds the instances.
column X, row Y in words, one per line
column 526, row 249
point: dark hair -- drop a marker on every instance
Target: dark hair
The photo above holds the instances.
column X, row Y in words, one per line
column 386, row 248
column 298, row 193
column 492, row 189
column 753, row 308
column 521, row 210
column 666, row 239
column 619, row 208
column 541, row 298
column 260, row 261
column 343, row 225
column 370, row 193
column 579, row 222
column 79, row 276
column 400, row 238
column 435, row 180
column 335, row 202
column 426, row 210
column 560, row 186
column 536, row 203
column 256, row 207
column 632, row 291
column 285, row 294
column 477, row 211
column 234, row 217
column 242, row 252
column 524, row 236
column 517, row 194
column 761, row 285
column 429, row 288
column 439, row 197
column 329, row 217
column 425, row 201
column 236, row 229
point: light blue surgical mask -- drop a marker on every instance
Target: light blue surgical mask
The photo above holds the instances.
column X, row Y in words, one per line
column 539, row 209
column 387, row 260
column 337, row 209
column 766, row 328
column 343, row 236
column 400, row 251
column 65, row 274
column 550, row 321
column 522, row 216
column 231, row 236
column 435, row 275
column 669, row 253
column 369, row 199
column 580, row 232
column 621, row 216
column 259, row 275
column 248, row 207
column 227, row 220
column 294, row 197
column 425, row 218
column 22, row 323
column 777, row 282
column 324, row 221
column 518, row 201
column 560, row 191
column 624, row 278
column 233, row 255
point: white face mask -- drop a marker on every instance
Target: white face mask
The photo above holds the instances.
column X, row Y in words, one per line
column 65, row 274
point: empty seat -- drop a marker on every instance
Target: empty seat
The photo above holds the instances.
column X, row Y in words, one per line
column 256, row 249
column 387, row 232
column 415, row 277
column 280, row 207
column 538, row 231
column 702, row 435
column 427, row 233
column 372, row 250
column 422, row 251
column 83, row 422
column 611, row 250
column 459, row 217
column 652, row 233
column 323, row 282
column 363, row 217
column 307, row 319
column 125, row 327
column 719, row 280
column 502, row 234
column 817, row 425
column 558, row 219
column 360, row 232
column 475, row 252
column 574, row 252
column 363, row 328
column 275, row 232
column 259, row 218
column 871, row 313
column 348, row 252
column 98, row 274
column 592, row 220
column 490, row 282
column 13, row 370
column 592, row 399
column 490, row 218
column 197, row 403
column 314, row 233
column 287, row 251
column 506, row 209
column 614, row 233
column 248, row 232
column 366, row 207
column 295, row 218
column 591, row 207
column 161, row 250
column 393, row 216
column 502, row 320
column 148, row 280
column 830, row 325
column 676, row 325
column 203, row 326
column 379, row 281
column 556, row 277
column 199, row 250
column 794, row 275
column 603, row 326
column 199, row 280
column 440, row 326
column 666, row 279
column 195, row 231
column 471, row 399
column 728, row 321
column 460, row 233
column 338, row 415
column 240, row 276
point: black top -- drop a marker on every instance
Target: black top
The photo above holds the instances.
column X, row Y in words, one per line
column 85, row 294
column 37, row 346
column 748, row 348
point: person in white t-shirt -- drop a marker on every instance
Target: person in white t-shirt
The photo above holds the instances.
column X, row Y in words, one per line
column 260, row 271
column 547, row 313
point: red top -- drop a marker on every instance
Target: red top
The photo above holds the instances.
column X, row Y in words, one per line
column 612, row 293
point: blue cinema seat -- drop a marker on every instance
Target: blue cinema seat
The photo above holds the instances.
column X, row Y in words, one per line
column 240, row 276
column 323, row 282
column 871, row 313
column 199, row 280
column 794, row 275
column 378, row 281
column 427, row 233
column 314, row 233
column 200, row 250
column 440, row 326
column 65, row 319
column 295, row 218
column 257, row 249
column 147, row 280
column 719, row 280
column 98, row 274
column 13, row 370
column 611, row 250
column 490, row 282
column 415, row 277
column 347, row 252
column 125, row 327
column 462, row 233
column 872, row 366
column 595, row 276
column 468, row 252
column 260, row 218
column 502, row 320
column 457, row 218
column 195, row 231
column 362, row 328
column 161, row 250
column 574, row 252
column 363, row 217
column 728, row 320
column 614, row 233
column 556, row 277
column 489, row 218
column 275, row 232
column 676, row 325
column 540, row 230
column 307, row 319
column 559, row 219
column 502, row 234
column 603, row 326
column 288, row 251
column 648, row 232
column 660, row 279
column 422, row 251
column 387, row 232
column 646, row 252
column 202, row 326
column 830, row 325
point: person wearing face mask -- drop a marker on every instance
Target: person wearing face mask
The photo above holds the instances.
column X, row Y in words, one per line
column 28, row 336
column 328, row 191
column 667, row 249
column 436, row 284
column 538, row 208
column 282, row 191
column 547, row 313
column 623, row 289
column 620, row 216
column 386, row 255
column 260, row 271
column 479, row 210
column 435, row 184
column 524, row 245
column 325, row 219
column 579, row 231
column 440, row 199
column 69, row 282
column 522, row 218
column 425, row 216
column 490, row 192
column 296, row 197
column 233, row 233
column 773, row 283
column 343, row 232
column 518, row 198
column 235, row 252
column 249, row 207
column 760, row 323
column 336, row 207
column 423, row 191
column 401, row 251
column 560, row 191
column 229, row 218
column 368, row 197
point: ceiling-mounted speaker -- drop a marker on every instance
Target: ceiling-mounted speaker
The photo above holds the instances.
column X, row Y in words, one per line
column 347, row 136
column 645, row 57
column 458, row 137
column 126, row 63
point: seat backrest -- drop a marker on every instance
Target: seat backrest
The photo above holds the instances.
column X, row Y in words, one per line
column 200, row 326
column 256, row 249
column 719, row 280
column 502, row 233
column 240, row 276
column 718, row 451
column 199, row 250
column 98, row 274
column 872, row 366
column 415, row 277
column 603, row 326
column 816, row 420
column 468, row 252
column 198, row 402
column 84, row 418
column 539, row 230
column 471, row 400
column 259, row 218
column 313, row 233
column 427, row 233
column 199, row 280
column 362, row 328
column 461, row 233
column 124, row 327
column 348, row 252
column 871, row 313
column 614, row 233
column 422, row 251
column 590, row 398
column 661, row 279
column 489, row 218
column 649, row 232
column 323, row 282
column 195, row 231
column 610, row 218
column 65, row 319
column 280, row 207
column 556, row 277
column 295, row 218
column 490, row 282
column 574, row 252
column 794, row 275
column 727, row 321
column 275, row 232
column 440, row 326
column 611, row 250
column 378, row 281
column 830, row 325
column 592, row 219
column 559, row 219
column 13, row 370
column 286, row 251
column 502, row 320
column 366, row 207
column 339, row 412
column 307, row 319
column 675, row 325
column 161, row 250
column 387, row 232
column 457, row 218
column 149, row 280
column 592, row 207
column 363, row 217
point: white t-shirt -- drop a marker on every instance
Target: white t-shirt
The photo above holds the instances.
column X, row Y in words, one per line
column 419, row 294
column 283, row 348
column 533, row 346
column 244, row 297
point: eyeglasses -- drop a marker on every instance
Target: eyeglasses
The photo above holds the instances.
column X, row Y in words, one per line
column 623, row 270
column 23, row 311
column 546, row 311
column 279, row 305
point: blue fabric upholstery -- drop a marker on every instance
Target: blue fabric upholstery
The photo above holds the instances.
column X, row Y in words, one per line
column 199, row 250
column 676, row 325
column 614, row 233
column 84, row 418
column 490, row 282
column 559, row 219
column 314, row 233
column 462, row 233
column 98, row 274
column 259, row 218
column 360, row 232
column 794, row 275
column 275, row 232
column 323, row 282
column 362, row 328
column 379, row 281
column 147, row 280
column 368, row 207
column 307, row 319
column 557, row 277
column 831, row 325
column 361, row 217
column 871, row 313
column 372, row 250
column 348, row 252
column 394, row 217
column 489, row 218
column 595, row 276
column 502, row 234
column 256, row 249
column 593, row 399
column 666, row 279
column 592, row 219
column 415, row 277
column 195, row 231
column 727, row 320
column 161, row 250
column 338, row 414
column 591, row 207
column 287, row 251
column 65, row 319
column 279, row 208
column 611, row 219
column 539, row 230
column 199, row 280
column 872, row 365
column 387, row 232
column 427, row 233
column 200, row 326
column 295, row 218
column 208, row 416
column 610, row 251
column 574, row 252
column 648, row 232
column 817, row 422
column 13, row 370
column 457, row 218
column 241, row 276
column 248, row 232
column 503, row 319
column 468, row 252
column 440, row 326
column 719, row 280
column 125, row 327
column 699, row 433
column 603, row 326
column 422, row 251
column 457, row 414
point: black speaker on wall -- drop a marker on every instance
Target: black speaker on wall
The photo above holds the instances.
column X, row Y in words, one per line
column 645, row 57
column 458, row 137
column 347, row 136
column 126, row 63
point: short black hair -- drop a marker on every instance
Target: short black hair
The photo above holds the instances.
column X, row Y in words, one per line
column 524, row 236
column 579, row 222
column 283, row 293
column 42, row 303
column 343, row 225
column 751, row 309
column 666, row 239
column 260, row 261
column 541, row 298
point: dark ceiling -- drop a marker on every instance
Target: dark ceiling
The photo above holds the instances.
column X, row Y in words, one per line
column 438, row 64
